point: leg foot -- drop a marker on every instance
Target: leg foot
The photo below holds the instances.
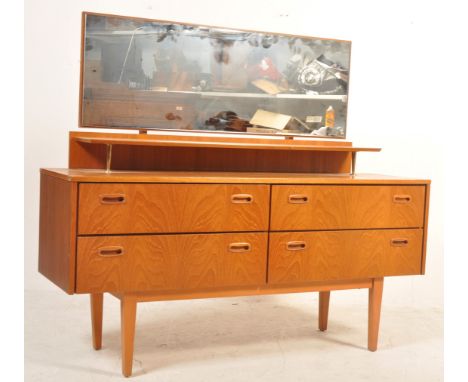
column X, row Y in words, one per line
column 127, row 319
column 324, row 303
column 375, row 303
column 96, row 318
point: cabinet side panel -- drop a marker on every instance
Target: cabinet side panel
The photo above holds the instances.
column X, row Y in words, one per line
column 57, row 230
column 86, row 156
column 426, row 221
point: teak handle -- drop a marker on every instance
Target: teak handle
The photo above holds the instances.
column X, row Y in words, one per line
column 242, row 198
column 112, row 198
column 295, row 245
column 111, row 251
column 402, row 198
column 399, row 242
column 298, row 198
column 239, row 247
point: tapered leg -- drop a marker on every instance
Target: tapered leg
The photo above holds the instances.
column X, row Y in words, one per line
column 375, row 302
column 127, row 320
column 324, row 303
column 96, row 318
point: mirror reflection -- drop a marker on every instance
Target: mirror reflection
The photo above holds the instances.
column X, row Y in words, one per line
column 161, row 75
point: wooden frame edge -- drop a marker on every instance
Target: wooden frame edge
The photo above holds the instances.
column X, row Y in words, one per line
column 426, row 221
column 240, row 292
column 84, row 14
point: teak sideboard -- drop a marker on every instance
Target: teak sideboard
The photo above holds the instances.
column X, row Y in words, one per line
column 150, row 218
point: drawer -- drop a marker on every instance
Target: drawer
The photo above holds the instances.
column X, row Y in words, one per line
column 121, row 208
column 169, row 262
column 342, row 207
column 343, row 255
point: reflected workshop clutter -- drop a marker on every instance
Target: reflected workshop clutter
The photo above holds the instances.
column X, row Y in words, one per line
column 147, row 74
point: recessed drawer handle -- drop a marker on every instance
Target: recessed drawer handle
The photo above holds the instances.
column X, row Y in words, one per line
column 240, row 247
column 298, row 198
column 295, row 245
column 399, row 242
column 402, row 198
column 112, row 199
column 111, row 251
column 242, row 198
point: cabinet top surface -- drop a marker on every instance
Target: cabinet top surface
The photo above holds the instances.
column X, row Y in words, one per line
column 87, row 175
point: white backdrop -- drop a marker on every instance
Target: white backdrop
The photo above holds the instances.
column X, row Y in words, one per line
column 398, row 75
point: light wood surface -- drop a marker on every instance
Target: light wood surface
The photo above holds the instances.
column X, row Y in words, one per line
column 200, row 153
column 57, row 231
column 154, row 140
column 426, row 224
column 343, row 255
column 100, row 176
column 150, row 235
column 96, row 300
column 258, row 290
column 156, row 208
column 165, row 262
column 217, row 137
column 128, row 307
column 344, row 207
column 191, row 216
column 375, row 303
column 162, row 158
column 324, row 305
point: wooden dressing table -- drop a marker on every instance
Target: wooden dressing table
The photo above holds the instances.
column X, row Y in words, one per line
column 153, row 217
column 150, row 217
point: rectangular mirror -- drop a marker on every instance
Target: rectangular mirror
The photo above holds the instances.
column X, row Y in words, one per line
column 149, row 74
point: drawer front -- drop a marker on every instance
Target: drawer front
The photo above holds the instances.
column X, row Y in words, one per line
column 114, row 208
column 342, row 207
column 343, row 255
column 170, row 262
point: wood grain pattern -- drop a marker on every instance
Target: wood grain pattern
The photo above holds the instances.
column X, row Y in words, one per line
column 133, row 158
column 165, row 262
column 229, row 159
column 201, row 153
column 57, row 231
column 158, row 208
column 343, row 255
column 107, row 105
column 342, row 207
column 375, row 304
column 85, row 156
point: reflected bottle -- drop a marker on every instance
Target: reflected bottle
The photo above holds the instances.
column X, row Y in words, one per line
column 330, row 117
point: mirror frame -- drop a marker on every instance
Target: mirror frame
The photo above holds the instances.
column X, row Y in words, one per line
column 197, row 131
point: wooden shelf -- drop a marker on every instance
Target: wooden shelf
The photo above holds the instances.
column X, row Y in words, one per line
column 121, row 92
column 281, row 145
column 96, row 175
column 292, row 96
column 163, row 152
